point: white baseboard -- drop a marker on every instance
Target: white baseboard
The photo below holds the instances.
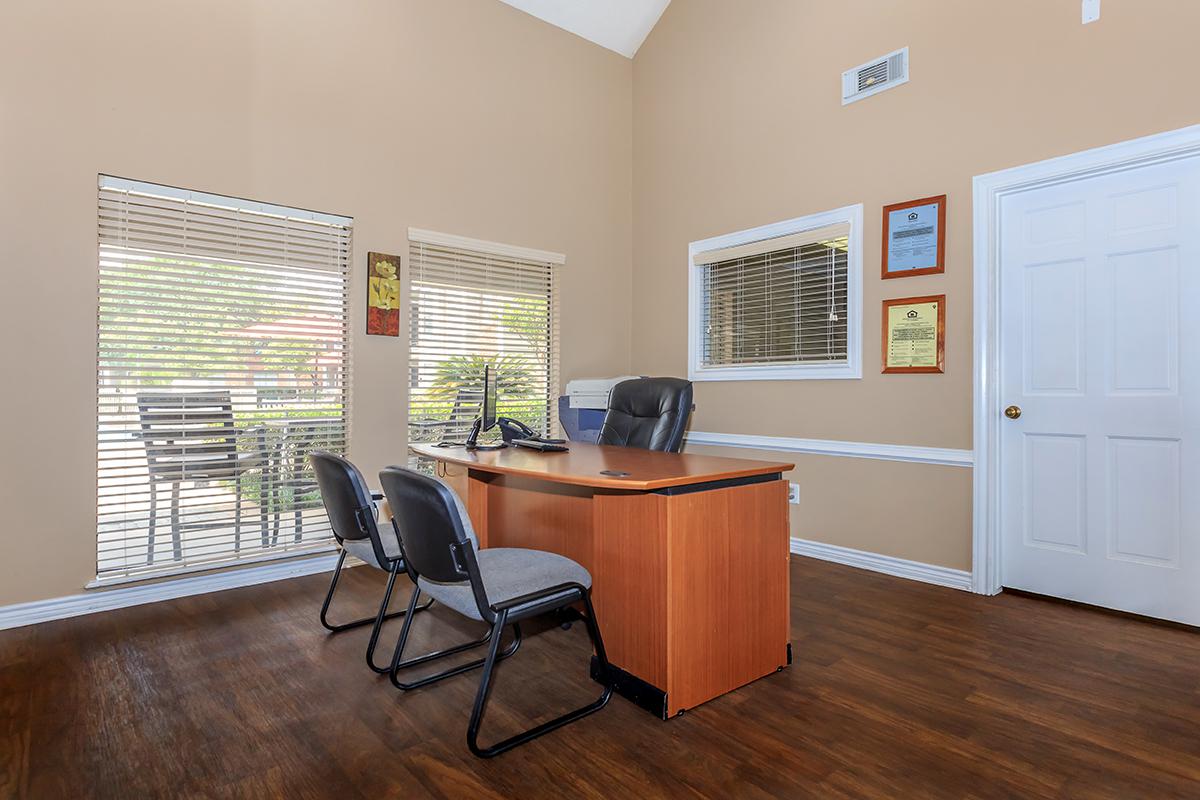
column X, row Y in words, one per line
column 21, row 614
column 830, row 447
column 15, row 616
column 888, row 565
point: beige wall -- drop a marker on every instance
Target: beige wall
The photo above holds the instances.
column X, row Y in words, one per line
column 464, row 116
column 469, row 117
column 738, row 122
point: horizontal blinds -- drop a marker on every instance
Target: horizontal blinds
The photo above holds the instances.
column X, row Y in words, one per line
column 469, row 307
column 782, row 306
column 222, row 360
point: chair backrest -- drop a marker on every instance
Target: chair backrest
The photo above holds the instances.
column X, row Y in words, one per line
column 650, row 413
column 434, row 529
column 346, row 497
column 196, row 424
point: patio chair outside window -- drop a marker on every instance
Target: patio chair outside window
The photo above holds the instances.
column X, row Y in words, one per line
column 223, row 359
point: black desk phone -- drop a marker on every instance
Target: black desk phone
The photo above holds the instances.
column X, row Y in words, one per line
column 513, row 429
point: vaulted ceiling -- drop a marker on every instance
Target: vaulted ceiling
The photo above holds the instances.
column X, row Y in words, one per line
column 620, row 25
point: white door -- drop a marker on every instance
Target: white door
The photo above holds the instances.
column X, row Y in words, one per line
column 1100, row 351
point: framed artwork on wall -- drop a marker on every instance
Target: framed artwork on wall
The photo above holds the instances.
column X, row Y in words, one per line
column 914, row 334
column 383, row 294
column 914, row 238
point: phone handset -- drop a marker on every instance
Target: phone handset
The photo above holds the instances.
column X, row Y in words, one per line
column 515, row 429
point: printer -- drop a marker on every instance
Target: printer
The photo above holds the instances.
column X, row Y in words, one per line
column 581, row 409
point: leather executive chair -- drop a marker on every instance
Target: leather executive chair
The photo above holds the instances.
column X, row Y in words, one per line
column 650, row 413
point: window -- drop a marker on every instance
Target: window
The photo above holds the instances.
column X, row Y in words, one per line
column 222, row 358
column 473, row 303
column 780, row 302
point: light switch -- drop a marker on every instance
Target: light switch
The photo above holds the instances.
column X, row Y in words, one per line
column 1091, row 11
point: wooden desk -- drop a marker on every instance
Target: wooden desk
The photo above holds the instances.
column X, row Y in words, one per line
column 688, row 555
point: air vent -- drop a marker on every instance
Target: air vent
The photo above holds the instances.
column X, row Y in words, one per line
column 875, row 76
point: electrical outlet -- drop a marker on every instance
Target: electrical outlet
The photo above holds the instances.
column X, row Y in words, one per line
column 1091, row 11
column 794, row 493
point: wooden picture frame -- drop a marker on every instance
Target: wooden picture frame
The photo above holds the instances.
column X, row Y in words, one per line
column 888, row 270
column 939, row 361
column 383, row 294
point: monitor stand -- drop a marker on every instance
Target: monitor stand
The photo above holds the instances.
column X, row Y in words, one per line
column 473, row 438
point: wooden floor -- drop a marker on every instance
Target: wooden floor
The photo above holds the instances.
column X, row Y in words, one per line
column 899, row 690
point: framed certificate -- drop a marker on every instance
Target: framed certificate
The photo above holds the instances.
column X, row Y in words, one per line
column 914, row 238
column 914, row 334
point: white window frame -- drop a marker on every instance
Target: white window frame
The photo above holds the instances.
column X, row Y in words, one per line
column 556, row 262
column 119, row 243
column 851, row 370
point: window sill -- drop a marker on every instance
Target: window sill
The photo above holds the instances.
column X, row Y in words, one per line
column 788, row 373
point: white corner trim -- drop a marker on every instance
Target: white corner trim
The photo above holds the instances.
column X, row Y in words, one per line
column 852, row 369
column 989, row 190
column 482, row 246
column 235, row 203
column 829, row 447
column 888, row 565
column 75, row 605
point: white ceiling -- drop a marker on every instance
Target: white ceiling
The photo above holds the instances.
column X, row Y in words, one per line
column 620, row 25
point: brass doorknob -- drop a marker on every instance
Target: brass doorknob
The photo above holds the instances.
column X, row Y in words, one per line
column 1012, row 412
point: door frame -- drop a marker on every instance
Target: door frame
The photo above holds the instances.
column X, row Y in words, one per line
column 989, row 190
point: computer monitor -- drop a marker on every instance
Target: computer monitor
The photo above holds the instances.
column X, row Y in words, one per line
column 487, row 417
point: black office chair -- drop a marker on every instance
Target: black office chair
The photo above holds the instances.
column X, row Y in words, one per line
column 651, row 413
column 351, row 512
column 499, row 585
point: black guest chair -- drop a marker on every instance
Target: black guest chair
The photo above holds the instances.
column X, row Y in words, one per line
column 351, row 512
column 500, row 586
column 650, row 413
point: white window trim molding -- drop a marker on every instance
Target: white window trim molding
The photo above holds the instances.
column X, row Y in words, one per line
column 221, row 201
column 851, row 370
column 193, row 569
column 91, row 602
column 989, row 190
column 481, row 246
column 911, row 454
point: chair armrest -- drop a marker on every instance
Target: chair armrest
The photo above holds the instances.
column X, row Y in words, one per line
column 256, row 431
column 540, row 595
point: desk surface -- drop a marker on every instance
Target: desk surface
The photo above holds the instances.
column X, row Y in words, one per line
column 583, row 463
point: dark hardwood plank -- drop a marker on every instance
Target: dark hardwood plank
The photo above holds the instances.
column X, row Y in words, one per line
column 898, row 690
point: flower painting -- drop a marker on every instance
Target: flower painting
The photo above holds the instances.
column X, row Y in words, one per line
column 383, row 294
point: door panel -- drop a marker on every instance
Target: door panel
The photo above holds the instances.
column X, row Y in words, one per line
column 1054, row 335
column 1055, row 496
column 1143, row 492
column 1100, row 348
column 1145, row 321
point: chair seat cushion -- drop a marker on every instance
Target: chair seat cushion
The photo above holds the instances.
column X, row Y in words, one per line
column 508, row 572
column 364, row 551
column 204, row 466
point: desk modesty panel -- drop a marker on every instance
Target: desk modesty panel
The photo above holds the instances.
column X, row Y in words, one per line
column 688, row 555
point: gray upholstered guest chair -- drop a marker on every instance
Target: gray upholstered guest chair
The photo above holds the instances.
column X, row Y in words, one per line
column 351, row 512
column 500, row 586
column 651, row 413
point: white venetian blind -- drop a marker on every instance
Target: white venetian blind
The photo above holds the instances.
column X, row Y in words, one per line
column 777, row 301
column 222, row 360
column 470, row 304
